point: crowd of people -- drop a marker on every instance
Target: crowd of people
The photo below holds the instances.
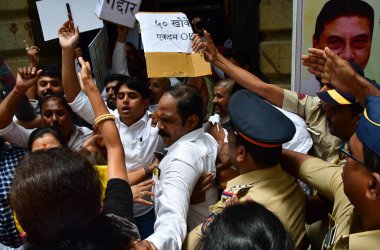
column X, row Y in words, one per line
column 227, row 161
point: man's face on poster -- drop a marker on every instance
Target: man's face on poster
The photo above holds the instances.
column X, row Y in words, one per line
column 348, row 36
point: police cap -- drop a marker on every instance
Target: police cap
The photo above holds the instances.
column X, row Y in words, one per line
column 257, row 121
column 368, row 130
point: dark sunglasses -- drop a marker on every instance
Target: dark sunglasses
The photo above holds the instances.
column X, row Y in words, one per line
column 344, row 153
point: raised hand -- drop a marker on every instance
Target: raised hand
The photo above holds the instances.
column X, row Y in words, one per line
column 26, row 78
column 68, row 35
column 207, row 47
column 84, row 75
column 32, row 53
column 330, row 67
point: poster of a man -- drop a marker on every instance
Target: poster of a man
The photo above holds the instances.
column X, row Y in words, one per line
column 348, row 27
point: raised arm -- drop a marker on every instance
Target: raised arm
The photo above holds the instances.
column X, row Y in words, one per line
column 337, row 71
column 270, row 92
column 68, row 39
column 33, row 53
column 107, row 127
column 119, row 59
column 26, row 78
column 291, row 161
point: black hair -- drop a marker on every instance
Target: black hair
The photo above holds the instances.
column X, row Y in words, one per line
column 51, row 70
column 371, row 159
column 58, row 96
column 263, row 157
column 56, row 195
column 189, row 102
column 115, row 77
column 334, row 9
column 40, row 132
column 109, row 232
column 247, row 225
column 134, row 84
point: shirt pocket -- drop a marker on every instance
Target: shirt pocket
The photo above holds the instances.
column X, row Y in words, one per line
column 136, row 153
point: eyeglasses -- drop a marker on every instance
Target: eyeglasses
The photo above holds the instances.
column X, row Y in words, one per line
column 344, row 153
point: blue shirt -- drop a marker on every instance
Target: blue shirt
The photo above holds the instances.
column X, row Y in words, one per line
column 9, row 157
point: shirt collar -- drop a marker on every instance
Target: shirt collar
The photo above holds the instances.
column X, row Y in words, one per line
column 75, row 132
column 357, row 241
column 256, row 176
column 142, row 122
column 191, row 136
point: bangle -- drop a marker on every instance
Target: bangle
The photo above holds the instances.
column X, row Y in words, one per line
column 102, row 118
column 17, row 90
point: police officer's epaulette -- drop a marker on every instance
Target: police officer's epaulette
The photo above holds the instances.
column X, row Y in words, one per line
column 238, row 190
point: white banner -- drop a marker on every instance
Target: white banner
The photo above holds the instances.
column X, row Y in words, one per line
column 118, row 11
column 53, row 14
column 165, row 32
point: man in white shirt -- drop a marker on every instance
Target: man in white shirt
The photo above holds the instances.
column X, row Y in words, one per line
column 125, row 57
column 55, row 112
column 139, row 138
column 191, row 152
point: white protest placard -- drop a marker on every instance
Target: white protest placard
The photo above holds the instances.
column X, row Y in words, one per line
column 98, row 51
column 167, row 45
column 165, row 32
column 118, row 11
column 53, row 14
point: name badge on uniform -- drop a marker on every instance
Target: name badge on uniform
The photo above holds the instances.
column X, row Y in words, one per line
column 330, row 238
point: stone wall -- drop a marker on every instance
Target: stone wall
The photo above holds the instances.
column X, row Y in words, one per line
column 276, row 40
column 275, row 48
column 15, row 27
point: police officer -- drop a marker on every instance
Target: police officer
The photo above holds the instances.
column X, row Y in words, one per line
column 354, row 189
column 256, row 132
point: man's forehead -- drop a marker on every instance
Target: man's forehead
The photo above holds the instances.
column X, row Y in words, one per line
column 161, row 81
column 111, row 84
column 167, row 104
column 154, row 80
column 125, row 89
column 347, row 23
column 49, row 78
column 221, row 89
column 53, row 103
column 167, row 114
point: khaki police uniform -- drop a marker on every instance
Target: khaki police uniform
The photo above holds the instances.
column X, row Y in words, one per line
column 273, row 188
column 326, row 178
column 325, row 145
